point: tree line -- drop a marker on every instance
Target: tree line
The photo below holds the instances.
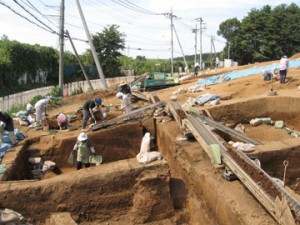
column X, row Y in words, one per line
column 264, row 34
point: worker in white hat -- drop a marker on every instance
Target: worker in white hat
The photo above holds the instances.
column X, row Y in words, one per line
column 125, row 89
column 40, row 107
column 84, row 150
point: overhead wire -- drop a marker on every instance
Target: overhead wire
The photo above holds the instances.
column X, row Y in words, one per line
column 134, row 7
column 36, row 10
column 22, row 7
column 24, row 17
column 108, row 10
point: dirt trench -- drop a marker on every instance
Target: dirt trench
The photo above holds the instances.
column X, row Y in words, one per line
column 183, row 188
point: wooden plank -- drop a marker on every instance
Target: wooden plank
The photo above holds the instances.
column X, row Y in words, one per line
column 154, row 98
column 129, row 115
column 139, row 95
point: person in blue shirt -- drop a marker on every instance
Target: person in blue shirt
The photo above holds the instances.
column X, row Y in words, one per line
column 88, row 110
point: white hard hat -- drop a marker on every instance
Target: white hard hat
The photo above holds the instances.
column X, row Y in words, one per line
column 82, row 137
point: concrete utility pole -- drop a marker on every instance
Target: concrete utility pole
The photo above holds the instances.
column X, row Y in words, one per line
column 201, row 29
column 213, row 45
column 195, row 31
column 172, row 50
column 79, row 61
column 61, row 50
column 186, row 65
column 228, row 49
column 171, row 16
column 99, row 68
column 212, row 48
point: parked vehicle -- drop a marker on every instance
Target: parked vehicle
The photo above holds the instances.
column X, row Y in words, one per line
column 155, row 80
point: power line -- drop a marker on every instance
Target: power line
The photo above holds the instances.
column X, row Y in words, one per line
column 51, row 31
column 34, row 17
column 35, row 9
column 134, row 7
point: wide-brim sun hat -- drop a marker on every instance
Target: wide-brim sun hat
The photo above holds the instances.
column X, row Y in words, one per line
column 122, row 83
column 82, row 137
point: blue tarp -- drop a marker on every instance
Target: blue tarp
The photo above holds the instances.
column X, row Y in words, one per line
column 202, row 99
column 242, row 73
column 6, row 141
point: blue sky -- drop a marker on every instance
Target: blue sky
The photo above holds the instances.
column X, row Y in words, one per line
column 147, row 30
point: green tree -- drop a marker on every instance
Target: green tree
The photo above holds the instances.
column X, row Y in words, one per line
column 108, row 43
column 87, row 58
column 263, row 34
column 19, row 60
column 70, row 59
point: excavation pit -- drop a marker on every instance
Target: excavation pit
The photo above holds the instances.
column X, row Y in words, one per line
column 183, row 188
column 278, row 144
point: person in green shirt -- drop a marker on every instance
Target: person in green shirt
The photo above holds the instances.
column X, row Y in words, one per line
column 84, row 150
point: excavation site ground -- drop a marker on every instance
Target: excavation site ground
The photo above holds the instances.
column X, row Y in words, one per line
column 186, row 186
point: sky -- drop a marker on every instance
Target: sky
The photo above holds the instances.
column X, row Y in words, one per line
column 146, row 24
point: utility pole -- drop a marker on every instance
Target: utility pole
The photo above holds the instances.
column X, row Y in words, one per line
column 170, row 15
column 99, row 68
column 228, row 49
column 186, row 65
column 172, row 50
column 195, row 31
column 61, row 50
column 79, row 61
column 212, row 47
column 201, row 29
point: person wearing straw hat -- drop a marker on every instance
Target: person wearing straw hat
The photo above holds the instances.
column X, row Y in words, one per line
column 84, row 150
column 125, row 89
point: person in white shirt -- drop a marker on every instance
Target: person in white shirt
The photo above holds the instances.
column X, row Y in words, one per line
column 283, row 68
column 40, row 107
column 196, row 67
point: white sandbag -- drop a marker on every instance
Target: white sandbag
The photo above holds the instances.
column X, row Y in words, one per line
column 9, row 216
column 145, row 146
column 173, row 98
column 244, row 147
column 48, row 165
column 34, row 160
column 147, row 157
column 240, row 128
column 255, row 122
column 215, row 102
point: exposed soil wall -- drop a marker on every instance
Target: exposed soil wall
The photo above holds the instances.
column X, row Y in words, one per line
column 97, row 194
column 274, row 155
column 276, row 107
column 206, row 189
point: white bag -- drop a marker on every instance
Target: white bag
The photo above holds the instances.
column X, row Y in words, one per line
column 147, row 157
column 145, row 146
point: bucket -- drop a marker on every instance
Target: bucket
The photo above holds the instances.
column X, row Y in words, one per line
column 95, row 159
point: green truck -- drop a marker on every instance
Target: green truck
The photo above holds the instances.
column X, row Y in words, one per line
column 155, row 80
